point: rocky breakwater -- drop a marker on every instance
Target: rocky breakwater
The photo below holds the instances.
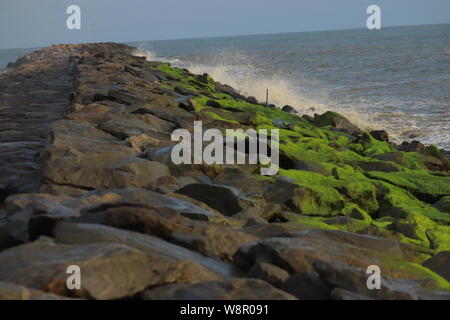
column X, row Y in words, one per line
column 103, row 194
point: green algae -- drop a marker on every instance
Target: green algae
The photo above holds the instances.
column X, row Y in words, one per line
column 405, row 269
column 390, row 200
column 371, row 146
column 303, row 222
column 315, row 198
column 397, row 202
column 412, row 160
column 327, row 119
column 362, row 193
column 416, row 181
column 434, row 151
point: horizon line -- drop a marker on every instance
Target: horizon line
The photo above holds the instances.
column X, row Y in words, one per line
column 230, row 36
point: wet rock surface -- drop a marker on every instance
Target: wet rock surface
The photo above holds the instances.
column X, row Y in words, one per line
column 87, row 179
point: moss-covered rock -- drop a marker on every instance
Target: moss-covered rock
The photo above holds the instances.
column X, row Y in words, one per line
column 371, row 146
column 443, row 204
column 335, row 120
column 422, row 184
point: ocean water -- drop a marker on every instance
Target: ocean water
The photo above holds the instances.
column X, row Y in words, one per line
column 11, row 55
column 396, row 79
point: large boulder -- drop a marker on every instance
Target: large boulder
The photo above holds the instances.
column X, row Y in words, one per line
column 380, row 135
column 11, row 291
column 223, row 199
column 210, row 239
column 270, row 273
column 123, row 128
column 239, row 179
column 307, row 199
column 297, row 251
column 443, row 204
column 289, row 109
column 180, row 117
column 180, row 265
column 307, row 286
column 440, row 263
column 87, row 233
column 101, row 199
column 64, row 173
column 42, row 265
column 336, row 121
column 425, row 186
column 355, row 280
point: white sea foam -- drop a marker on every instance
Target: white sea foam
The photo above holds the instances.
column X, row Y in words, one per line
column 238, row 71
column 138, row 52
column 243, row 77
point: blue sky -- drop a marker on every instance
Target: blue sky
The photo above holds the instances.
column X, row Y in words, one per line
column 32, row 23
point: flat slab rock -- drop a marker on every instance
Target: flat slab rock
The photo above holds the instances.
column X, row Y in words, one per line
column 101, row 199
column 237, row 289
column 296, row 251
column 42, row 265
column 86, row 233
column 11, row 291
column 354, row 280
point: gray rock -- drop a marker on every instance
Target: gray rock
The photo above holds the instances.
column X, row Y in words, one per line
column 85, row 233
column 412, row 146
column 307, row 286
column 341, row 294
column 11, row 291
column 223, row 199
column 42, row 265
column 7, row 238
column 443, row 204
column 270, row 273
column 210, row 239
column 125, row 128
column 252, row 100
column 337, row 121
column 289, row 109
column 440, row 263
column 280, row 191
column 376, row 166
column 237, row 289
column 355, row 280
column 298, row 253
column 239, row 179
column 380, row 135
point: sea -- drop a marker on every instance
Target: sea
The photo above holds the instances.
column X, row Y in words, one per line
column 395, row 79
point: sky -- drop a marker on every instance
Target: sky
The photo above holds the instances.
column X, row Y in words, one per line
column 36, row 23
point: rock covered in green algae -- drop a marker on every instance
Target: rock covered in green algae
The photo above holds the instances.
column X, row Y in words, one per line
column 341, row 196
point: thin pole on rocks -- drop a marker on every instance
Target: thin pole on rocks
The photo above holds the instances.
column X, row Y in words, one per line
column 93, row 31
column 267, row 97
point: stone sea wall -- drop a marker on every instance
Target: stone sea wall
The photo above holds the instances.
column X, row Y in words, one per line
column 87, row 180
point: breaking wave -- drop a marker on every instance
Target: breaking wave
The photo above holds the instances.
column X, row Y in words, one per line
column 398, row 87
column 238, row 71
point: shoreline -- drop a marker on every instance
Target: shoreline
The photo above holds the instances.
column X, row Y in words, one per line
column 107, row 197
column 139, row 52
column 354, row 115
